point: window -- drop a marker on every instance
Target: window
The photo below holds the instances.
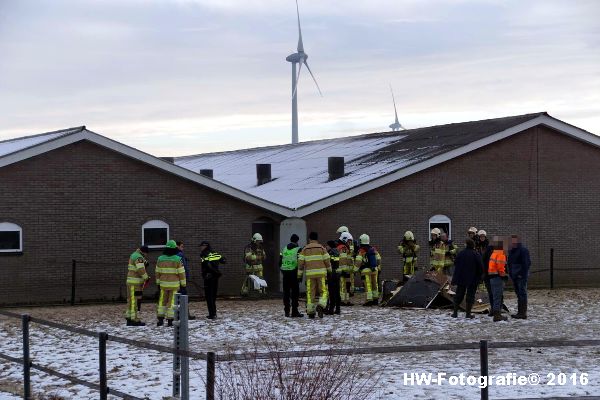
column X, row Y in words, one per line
column 11, row 238
column 155, row 234
column 441, row 222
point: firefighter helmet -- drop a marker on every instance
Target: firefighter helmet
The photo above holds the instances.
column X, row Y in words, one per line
column 171, row 244
column 482, row 232
column 436, row 231
column 408, row 235
column 342, row 229
column 257, row 237
column 472, row 230
column 345, row 236
column 364, row 239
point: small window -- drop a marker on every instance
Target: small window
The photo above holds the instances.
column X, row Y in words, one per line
column 155, row 234
column 11, row 238
column 441, row 222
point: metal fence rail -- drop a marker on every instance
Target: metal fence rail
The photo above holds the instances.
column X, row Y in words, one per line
column 212, row 358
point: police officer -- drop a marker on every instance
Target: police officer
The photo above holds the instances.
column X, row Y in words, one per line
column 210, row 273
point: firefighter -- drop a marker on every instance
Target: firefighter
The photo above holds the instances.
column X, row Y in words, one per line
column 349, row 278
column 368, row 261
column 136, row 278
column 496, row 274
column 288, row 264
column 482, row 242
column 409, row 250
column 254, row 257
column 436, row 251
column 210, row 273
column 346, row 266
column 449, row 253
column 472, row 233
column 333, row 279
column 315, row 260
column 170, row 277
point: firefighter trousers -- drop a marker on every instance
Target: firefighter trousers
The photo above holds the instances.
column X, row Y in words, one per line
column 316, row 288
column 166, row 303
column 132, row 302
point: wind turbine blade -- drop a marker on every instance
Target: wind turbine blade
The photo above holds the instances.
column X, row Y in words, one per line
column 311, row 74
column 300, row 45
column 394, row 100
column 297, row 80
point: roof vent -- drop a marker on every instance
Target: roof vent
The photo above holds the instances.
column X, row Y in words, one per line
column 207, row 172
column 263, row 173
column 335, row 166
column 168, row 159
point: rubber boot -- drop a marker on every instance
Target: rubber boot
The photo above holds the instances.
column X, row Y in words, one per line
column 337, row 310
column 311, row 316
column 499, row 317
column 469, row 307
column 287, row 312
column 296, row 313
column 170, row 322
column 455, row 311
column 161, row 321
column 522, row 310
column 139, row 323
column 129, row 322
column 320, row 311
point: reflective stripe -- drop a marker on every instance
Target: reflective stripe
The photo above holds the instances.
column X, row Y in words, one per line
column 135, row 281
column 169, row 270
column 316, row 272
column 167, row 284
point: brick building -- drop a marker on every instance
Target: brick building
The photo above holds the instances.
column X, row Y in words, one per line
column 76, row 195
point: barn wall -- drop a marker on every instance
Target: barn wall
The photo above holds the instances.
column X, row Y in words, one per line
column 539, row 184
column 88, row 203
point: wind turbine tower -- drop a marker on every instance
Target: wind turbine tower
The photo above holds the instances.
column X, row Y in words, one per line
column 396, row 126
column 298, row 59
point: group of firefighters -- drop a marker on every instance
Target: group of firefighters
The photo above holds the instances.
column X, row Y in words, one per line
column 329, row 271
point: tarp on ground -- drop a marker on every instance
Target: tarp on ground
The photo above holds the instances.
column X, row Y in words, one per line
column 429, row 289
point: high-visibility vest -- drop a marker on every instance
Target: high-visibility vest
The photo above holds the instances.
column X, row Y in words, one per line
column 289, row 258
column 497, row 264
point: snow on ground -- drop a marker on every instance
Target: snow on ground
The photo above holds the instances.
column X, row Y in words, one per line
column 247, row 325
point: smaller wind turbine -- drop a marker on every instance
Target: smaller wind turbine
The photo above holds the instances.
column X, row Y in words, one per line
column 396, row 126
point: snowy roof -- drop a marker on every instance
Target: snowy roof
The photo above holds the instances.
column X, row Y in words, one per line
column 300, row 171
column 13, row 145
column 300, row 180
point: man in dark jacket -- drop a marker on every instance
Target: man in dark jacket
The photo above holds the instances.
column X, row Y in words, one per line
column 333, row 279
column 186, row 266
column 211, row 274
column 288, row 264
column 468, row 269
column 518, row 269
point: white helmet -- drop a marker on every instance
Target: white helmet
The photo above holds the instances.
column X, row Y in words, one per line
column 364, row 239
column 342, row 229
column 436, row 231
column 345, row 236
column 257, row 237
column 472, row 230
column 481, row 232
column 408, row 235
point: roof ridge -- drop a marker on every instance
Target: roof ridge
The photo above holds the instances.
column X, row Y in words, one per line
column 75, row 129
column 532, row 115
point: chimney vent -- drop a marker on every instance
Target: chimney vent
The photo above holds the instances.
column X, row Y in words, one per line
column 335, row 166
column 263, row 173
column 207, row 172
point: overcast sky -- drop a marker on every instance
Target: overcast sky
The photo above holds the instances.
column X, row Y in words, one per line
column 175, row 77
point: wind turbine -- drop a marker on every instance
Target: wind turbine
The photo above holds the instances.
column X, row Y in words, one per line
column 396, row 126
column 298, row 58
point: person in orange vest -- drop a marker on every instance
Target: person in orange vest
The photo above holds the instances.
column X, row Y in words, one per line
column 496, row 273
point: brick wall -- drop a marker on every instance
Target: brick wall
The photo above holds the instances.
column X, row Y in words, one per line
column 88, row 203
column 497, row 188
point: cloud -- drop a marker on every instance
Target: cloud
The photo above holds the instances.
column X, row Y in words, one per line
column 213, row 73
